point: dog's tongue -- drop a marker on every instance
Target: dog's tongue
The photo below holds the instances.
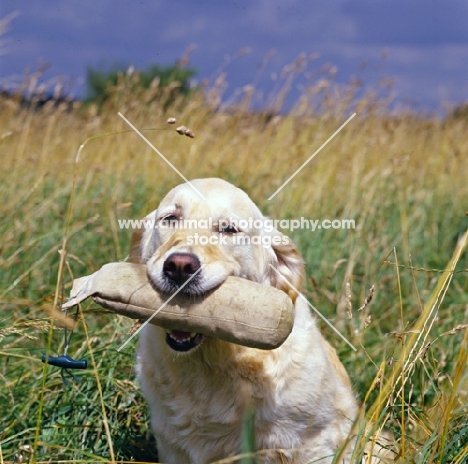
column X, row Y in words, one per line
column 179, row 335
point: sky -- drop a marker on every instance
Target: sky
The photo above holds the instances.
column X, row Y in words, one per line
column 421, row 44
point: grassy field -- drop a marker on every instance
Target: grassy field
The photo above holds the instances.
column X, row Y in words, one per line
column 401, row 177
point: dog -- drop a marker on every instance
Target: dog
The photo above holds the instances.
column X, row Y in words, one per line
column 201, row 389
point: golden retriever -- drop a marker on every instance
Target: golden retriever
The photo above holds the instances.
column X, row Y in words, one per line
column 199, row 389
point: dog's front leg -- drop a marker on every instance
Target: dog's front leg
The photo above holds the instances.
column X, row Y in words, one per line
column 170, row 454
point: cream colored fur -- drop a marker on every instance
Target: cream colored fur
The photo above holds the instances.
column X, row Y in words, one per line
column 300, row 395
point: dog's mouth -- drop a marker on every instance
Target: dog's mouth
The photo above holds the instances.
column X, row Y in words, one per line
column 183, row 341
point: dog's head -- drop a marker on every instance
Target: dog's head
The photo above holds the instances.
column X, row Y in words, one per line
column 205, row 231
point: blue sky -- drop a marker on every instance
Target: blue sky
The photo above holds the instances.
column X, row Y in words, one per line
column 425, row 41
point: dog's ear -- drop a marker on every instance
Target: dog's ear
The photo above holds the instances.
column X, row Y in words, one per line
column 135, row 255
column 141, row 240
column 286, row 270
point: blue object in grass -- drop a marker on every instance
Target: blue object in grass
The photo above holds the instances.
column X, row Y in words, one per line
column 65, row 362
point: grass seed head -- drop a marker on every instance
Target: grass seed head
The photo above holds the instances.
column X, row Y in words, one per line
column 457, row 329
column 367, row 321
column 348, row 300
column 370, row 295
column 183, row 130
column 189, row 133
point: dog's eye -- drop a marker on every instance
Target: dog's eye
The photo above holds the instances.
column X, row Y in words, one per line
column 169, row 221
column 229, row 229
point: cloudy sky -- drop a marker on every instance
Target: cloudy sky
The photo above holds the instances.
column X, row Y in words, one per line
column 425, row 41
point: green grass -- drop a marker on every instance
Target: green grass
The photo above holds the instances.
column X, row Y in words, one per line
column 402, row 178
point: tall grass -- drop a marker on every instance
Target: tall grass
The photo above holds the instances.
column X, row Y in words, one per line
column 401, row 176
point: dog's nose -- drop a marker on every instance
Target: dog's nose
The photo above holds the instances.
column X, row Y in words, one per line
column 179, row 267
